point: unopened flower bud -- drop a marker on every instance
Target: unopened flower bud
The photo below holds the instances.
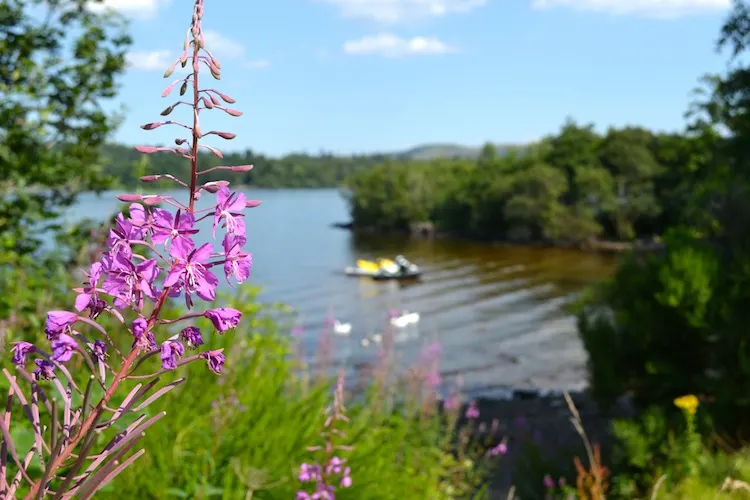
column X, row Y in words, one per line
column 150, row 178
column 241, row 168
column 252, row 203
column 170, row 70
column 214, row 186
column 129, row 198
column 152, row 199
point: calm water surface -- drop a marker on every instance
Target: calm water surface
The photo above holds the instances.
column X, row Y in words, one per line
column 497, row 310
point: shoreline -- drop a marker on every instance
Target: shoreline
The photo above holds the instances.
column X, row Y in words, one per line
column 427, row 231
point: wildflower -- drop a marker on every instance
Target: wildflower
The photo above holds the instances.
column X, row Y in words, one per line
column 224, row 318
column 472, row 412
column 688, row 403
column 96, row 307
column 346, row 478
column 189, row 267
column 323, row 492
column 59, row 322
column 167, row 227
column 431, row 352
column 237, row 263
column 192, row 335
column 309, row 473
column 500, row 449
column 171, row 351
column 63, row 348
column 334, row 465
column 143, row 338
column 303, row 495
column 549, row 483
column 297, row 330
column 21, row 352
column 141, row 218
column 89, row 294
column 99, row 349
column 433, row 380
column 122, row 234
column 214, row 359
column 451, row 402
column 45, row 370
column 228, row 207
column 128, row 283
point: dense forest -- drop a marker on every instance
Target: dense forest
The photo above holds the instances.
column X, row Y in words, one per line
column 573, row 187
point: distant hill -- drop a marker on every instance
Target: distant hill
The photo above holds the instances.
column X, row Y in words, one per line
column 432, row 151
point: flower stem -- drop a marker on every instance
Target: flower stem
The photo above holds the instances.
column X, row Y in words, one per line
column 196, row 128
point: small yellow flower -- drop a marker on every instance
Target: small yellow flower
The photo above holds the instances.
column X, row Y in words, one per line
column 688, row 403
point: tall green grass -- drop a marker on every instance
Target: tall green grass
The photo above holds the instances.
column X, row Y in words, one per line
column 245, row 433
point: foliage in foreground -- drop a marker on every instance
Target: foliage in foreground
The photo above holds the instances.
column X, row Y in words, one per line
column 61, row 61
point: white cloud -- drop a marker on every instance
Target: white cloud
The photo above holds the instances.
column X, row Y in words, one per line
column 258, row 64
column 390, row 45
column 156, row 60
column 137, row 8
column 647, row 8
column 395, row 11
column 223, row 47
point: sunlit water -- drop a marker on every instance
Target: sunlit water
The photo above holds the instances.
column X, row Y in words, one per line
column 498, row 311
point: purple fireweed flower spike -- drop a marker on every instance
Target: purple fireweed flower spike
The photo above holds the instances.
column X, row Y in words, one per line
column 131, row 270
column 171, row 351
column 224, row 318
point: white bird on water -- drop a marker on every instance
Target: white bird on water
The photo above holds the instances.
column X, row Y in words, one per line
column 376, row 339
column 405, row 319
column 340, row 328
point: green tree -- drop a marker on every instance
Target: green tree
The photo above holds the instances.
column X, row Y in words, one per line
column 627, row 157
column 58, row 61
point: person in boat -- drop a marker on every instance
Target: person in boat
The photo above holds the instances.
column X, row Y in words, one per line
column 403, row 265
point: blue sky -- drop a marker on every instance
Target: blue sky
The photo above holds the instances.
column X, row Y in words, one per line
column 351, row 76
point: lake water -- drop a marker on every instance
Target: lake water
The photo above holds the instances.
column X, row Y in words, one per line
column 498, row 311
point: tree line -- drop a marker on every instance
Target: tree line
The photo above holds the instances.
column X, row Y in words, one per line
column 574, row 186
column 125, row 166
